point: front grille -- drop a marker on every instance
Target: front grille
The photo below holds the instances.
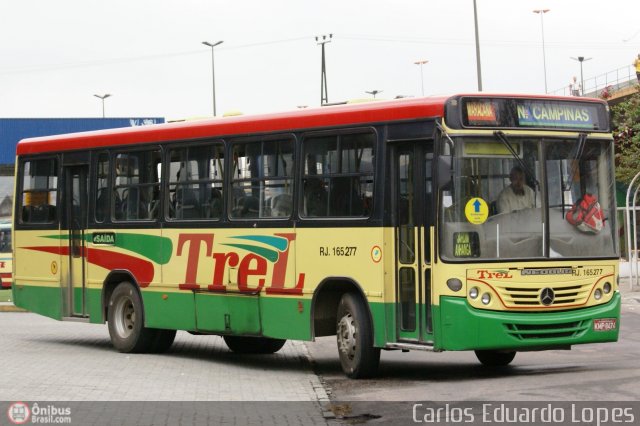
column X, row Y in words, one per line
column 515, row 297
column 546, row 331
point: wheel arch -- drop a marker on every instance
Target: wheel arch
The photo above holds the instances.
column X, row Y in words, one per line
column 324, row 304
column 112, row 280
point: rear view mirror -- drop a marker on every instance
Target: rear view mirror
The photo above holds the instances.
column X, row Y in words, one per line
column 444, row 170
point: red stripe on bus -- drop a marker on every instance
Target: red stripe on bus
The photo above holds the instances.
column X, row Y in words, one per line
column 141, row 269
column 237, row 125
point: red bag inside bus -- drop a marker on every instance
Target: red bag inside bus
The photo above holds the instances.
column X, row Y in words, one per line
column 586, row 214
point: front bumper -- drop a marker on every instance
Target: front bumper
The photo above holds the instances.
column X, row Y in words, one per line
column 466, row 328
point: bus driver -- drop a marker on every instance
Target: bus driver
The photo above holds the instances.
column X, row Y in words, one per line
column 516, row 196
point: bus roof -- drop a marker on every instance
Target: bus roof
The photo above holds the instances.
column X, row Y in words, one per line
column 307, row 118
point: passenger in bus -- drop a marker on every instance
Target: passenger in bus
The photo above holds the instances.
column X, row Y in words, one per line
column 215, row 204
column 248, row 207
column 281, row 205
column 315, row 197
column 345, row 200
column 518, row 195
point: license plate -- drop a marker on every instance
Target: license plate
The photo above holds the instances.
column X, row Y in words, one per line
column 604, row 324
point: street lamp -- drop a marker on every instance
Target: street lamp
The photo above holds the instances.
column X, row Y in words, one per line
column 374, row 93
column 421, row 63
column 213, row 71
column 478, row 68
column 541, row 12
column 581, row 59
column 103, row 97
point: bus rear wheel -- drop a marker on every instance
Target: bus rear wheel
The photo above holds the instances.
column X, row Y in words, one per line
column 253, row 345
column 126, row 321
column 495, row 358
column 163, row 341
column 358, row 357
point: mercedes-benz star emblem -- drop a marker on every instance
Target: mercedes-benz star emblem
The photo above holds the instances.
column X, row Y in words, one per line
column 547, row 296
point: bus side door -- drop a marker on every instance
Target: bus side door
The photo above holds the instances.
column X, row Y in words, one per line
column 73, row 280
column 411, row 194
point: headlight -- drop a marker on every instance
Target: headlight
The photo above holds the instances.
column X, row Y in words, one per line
column 486, row 298
column 473, row 293
column 606, row 288
column 597, row 294
column 454, row 284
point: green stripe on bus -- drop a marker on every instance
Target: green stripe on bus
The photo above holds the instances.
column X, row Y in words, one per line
column 154, row 248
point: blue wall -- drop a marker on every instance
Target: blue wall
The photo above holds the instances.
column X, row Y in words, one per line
column 12, row 130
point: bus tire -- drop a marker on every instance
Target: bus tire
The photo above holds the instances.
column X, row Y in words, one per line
column 354, row 335
column 163, row 341
column 495, row 358
column 253, row 345
column 126, row 321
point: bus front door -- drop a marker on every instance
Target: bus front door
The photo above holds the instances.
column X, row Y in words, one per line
column 412, row 206
column 75, row 205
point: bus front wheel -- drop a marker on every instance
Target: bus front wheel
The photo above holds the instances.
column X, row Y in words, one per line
column 358, row 357
column 495, row 358
column 126, row 322
column 253, row 345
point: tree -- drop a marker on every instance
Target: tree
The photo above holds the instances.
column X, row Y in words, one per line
column 626, row 132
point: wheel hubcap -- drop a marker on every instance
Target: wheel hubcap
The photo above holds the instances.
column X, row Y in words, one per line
column 125, row 317
column 347, row 336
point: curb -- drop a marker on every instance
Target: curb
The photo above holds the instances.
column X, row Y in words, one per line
column 10, row 307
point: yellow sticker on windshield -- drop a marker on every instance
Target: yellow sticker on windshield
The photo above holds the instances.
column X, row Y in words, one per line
column 476, row 211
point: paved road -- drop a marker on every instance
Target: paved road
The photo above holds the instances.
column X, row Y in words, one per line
column 47, row 360
column 605, row 372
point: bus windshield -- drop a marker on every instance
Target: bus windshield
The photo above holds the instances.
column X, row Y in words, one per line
column 528, row 198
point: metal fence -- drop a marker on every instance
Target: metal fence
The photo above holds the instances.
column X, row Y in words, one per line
column 604, row 85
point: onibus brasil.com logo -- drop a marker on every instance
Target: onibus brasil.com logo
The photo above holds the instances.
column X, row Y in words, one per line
column 20, row 413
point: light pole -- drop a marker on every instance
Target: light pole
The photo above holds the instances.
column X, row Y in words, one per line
column 324, row 95
column 541, row 12
column 421, row 63
column 103, row 97
column 213, row 71
column 478, row 68
column 581, row 59
column 374, row 93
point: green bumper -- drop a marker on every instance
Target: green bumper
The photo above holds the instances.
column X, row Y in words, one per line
column 466, row 328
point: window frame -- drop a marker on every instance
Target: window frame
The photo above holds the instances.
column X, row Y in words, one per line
column 230, row 169
column 166, row 182
column 377, row 153
column 20, row 223
column 113, row 153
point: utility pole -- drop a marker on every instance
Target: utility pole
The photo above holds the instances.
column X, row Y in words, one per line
column 541, row 12
column 478, row 67
column 324, row 97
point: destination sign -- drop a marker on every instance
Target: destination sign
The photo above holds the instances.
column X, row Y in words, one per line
column 520, row 113
column 552, row 114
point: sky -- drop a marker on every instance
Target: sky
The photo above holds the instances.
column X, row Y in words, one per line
column 148, row 54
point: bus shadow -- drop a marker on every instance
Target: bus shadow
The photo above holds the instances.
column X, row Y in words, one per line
column 430, row 371
column 203, row 349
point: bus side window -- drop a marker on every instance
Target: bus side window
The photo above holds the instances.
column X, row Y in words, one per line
column 195, row 182
column 39, row 191
column 338, row 175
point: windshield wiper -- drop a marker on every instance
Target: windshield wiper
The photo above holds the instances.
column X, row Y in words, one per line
column 503, row 138
column 579, row 150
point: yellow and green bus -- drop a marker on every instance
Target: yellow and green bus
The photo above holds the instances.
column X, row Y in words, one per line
column 381, row 223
